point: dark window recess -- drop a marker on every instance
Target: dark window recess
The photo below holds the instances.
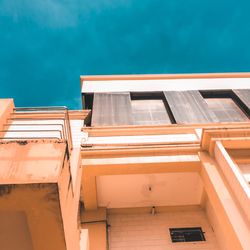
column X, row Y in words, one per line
column 189, row 234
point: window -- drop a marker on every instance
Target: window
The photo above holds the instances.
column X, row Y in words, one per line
column 148, row 110
column 226, row 110
column 187, row 234
column 225, row 105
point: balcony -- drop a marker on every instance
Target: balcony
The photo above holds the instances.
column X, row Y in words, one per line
column 51, row 123
column 40, row 177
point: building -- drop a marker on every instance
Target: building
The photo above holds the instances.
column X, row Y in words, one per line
column 150, row 162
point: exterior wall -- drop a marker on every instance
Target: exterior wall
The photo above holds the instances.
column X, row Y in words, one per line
column 6, row 108
column 126, row 167
column 69, row 193
column 14, row 231
column 84, row 241
column 221, row 235
column 38, row 181
column 131, row 165
column 77, row 134
column 40, row 203
column 145, row 190
column 31, row 162
column 94, row 222
column 231, row 218
column 42, row 178
column 108, row 167
column 151, row 232
column 97, row 235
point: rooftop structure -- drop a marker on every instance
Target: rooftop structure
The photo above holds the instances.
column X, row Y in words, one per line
column 150, row 162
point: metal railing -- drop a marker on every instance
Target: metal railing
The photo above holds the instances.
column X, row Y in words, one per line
column 38, row 123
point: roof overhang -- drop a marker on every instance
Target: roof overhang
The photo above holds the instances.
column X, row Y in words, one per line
column 164, row 82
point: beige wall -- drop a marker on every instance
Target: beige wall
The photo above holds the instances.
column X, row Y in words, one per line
column 97, row 235
column 14, row 231
column 119, row 181
column 31, row 162
column 6, row 108
column 44, row 190
column 139, row 190
column 221, row 235
column 146, row 231
column 69, row 193
column 84, row 239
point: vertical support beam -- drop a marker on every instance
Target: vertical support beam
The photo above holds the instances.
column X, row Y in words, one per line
column 97, row 235
column 75, row 167
column 231, row 219
column 6, row 108
column 84, row 239
column 89, row 189
column 234, row 177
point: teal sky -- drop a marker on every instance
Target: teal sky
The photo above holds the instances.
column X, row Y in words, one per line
column 45, row 45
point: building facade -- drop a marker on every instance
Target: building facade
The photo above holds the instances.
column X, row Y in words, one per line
column 150, row 162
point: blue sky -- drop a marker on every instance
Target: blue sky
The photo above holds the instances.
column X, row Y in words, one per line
column 46, row 45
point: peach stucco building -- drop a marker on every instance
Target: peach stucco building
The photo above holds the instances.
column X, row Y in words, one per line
column 151, row 162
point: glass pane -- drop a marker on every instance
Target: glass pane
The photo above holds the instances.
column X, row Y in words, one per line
column 149, row 112
column 226, row 109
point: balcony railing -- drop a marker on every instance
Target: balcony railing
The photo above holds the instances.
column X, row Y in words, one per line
column 27, row 123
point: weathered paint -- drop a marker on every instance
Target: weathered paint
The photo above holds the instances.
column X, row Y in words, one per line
column 41, row 181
